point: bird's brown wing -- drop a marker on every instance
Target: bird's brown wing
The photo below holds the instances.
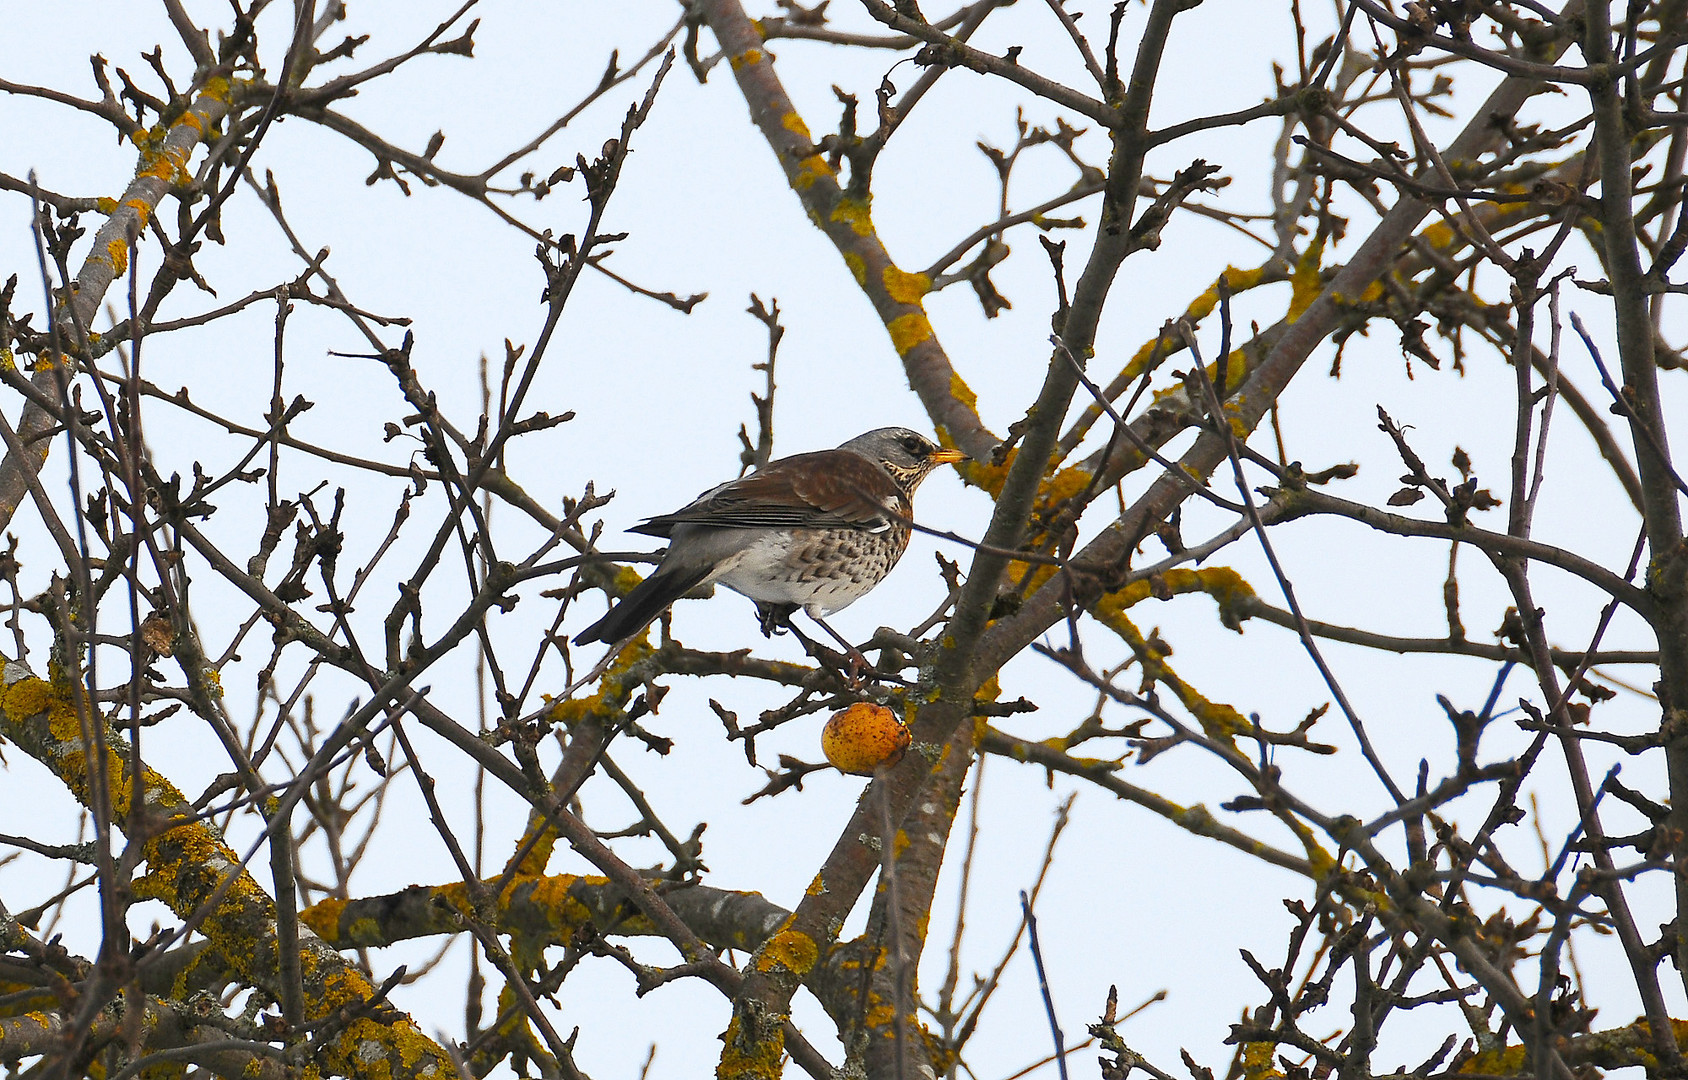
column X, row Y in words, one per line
column 824, row 489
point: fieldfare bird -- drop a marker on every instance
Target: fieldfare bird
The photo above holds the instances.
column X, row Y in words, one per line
column 812, row 531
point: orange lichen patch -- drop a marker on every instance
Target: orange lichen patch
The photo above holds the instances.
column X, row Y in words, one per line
column 989, row 476
column 168, row 164
column 105, row 204
column 1235, row 279
column 147, row 139
column 612, row 687
column 364, row 931
column 1306, row 283
column 323, row 917
column 186, row 865
column 1236, row 372
column 906, row 288
column 747, row 58
column 565, row 913
column 118, row 252
column 1029, row 577
column 1320, row 860
column 536, row 911
column 1224, row 584
column 794, row 124
column 981, row 723
column 143, row 211
column 513, row 1022
column 31, row 697
column 858, row 267
column 854, row 213
column 1503, row 1061
column 1056, row 487
column 809, row 170
column 1219, row 720
column 1064, row 485
column 746, row 1058
column 366, row 1048
column 816, row 887
column 28, row 697
column 217, row 88
column 1134, row 367
column 875, row 960
column 789, row 949
column 1439, row 235
column 909, row 330
column 863, row 738
column 943, row 1057
column 191, row 869
column 960, row 391
column 537, row 856
column 1258, row 1062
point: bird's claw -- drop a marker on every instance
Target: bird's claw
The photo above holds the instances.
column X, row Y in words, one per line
column 774, row 619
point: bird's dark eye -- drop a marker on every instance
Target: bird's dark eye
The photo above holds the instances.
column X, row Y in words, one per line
column 913, row 445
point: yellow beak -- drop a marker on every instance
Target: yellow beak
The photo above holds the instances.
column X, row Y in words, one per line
column 948, row 457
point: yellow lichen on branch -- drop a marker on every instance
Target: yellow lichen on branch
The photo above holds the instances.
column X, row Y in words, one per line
column 190, row 867
column 1306, row 283
column 1057, row 486
column 962, row 392
column 614, row 687
column 909, row 330
column 1258, row 1063
column 744, row 1057
column 1614, row 1048
column 906, row 288
column 855, row 213
column 1147, row 356
column 1217, row 719
column 536, row 911
column 810, row 169
column 1224, row 584
column 843, row 214
column 795, row 952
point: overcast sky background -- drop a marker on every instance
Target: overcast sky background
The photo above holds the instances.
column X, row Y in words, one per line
column 659, row 396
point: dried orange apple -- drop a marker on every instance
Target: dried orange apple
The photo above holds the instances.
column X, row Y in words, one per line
column 863, row 737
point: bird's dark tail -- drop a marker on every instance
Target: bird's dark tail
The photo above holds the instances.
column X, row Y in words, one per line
column 648, row 599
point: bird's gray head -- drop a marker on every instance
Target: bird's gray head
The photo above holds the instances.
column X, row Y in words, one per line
column 907, row 455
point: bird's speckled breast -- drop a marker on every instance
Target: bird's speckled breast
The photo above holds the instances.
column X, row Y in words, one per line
column 820, row 570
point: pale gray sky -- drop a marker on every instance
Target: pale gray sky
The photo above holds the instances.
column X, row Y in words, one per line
column 659, row 396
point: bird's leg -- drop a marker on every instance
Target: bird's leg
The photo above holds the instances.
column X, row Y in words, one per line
column 859, row 664
column 776, row 619
column 827, row 658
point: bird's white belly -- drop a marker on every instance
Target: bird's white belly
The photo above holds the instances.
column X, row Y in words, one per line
column 819, row 570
